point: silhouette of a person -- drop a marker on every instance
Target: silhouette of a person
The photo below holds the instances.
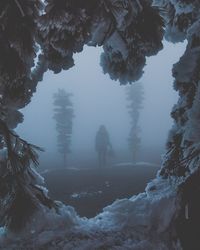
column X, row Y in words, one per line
column 102, row 145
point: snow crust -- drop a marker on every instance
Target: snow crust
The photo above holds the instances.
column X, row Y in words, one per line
column 140, row 210
column 136, row 164
column 141, row 222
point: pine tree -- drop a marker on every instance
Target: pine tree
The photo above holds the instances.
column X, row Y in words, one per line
column 63, row 115
column 134, row 37
column 135, row 95
column 129, row 31
column 21, row 191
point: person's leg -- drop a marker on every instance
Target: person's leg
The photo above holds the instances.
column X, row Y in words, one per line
column 104, row 158
column 100, row 159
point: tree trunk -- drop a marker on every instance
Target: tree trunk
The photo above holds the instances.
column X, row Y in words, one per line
column 65, row 160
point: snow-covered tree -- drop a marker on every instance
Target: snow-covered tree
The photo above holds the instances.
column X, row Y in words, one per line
column 135, row 95
column 64, row 120
column 137, row 33
column 129, row 31
column 21, row 191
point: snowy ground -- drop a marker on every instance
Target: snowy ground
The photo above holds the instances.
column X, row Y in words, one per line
column 141, row 222
column 90, row 190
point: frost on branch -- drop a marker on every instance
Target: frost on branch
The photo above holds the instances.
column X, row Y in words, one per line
column 126, row 49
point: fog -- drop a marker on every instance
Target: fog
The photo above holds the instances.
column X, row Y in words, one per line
column 99, row 100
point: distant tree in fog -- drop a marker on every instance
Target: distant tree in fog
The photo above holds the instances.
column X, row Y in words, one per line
column 63, row 114
column 135, row 96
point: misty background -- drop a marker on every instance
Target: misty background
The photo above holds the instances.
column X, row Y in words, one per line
column 99, row 100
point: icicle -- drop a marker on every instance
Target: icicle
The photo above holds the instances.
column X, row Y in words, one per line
column 186, row 212
column 139, row 5
column 3, row 12
column 106, row 6
column 20, row 8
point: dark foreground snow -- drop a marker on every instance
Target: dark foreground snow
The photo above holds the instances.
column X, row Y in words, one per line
column 90, row 190
column 141, row 222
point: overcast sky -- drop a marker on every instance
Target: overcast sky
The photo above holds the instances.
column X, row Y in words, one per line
column 99, row 100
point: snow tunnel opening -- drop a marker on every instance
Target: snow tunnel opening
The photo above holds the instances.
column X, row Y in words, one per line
column 99, row 100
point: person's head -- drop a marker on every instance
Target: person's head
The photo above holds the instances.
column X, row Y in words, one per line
column 102, row 128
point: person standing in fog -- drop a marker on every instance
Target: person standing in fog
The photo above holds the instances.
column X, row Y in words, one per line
column 103, row 145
